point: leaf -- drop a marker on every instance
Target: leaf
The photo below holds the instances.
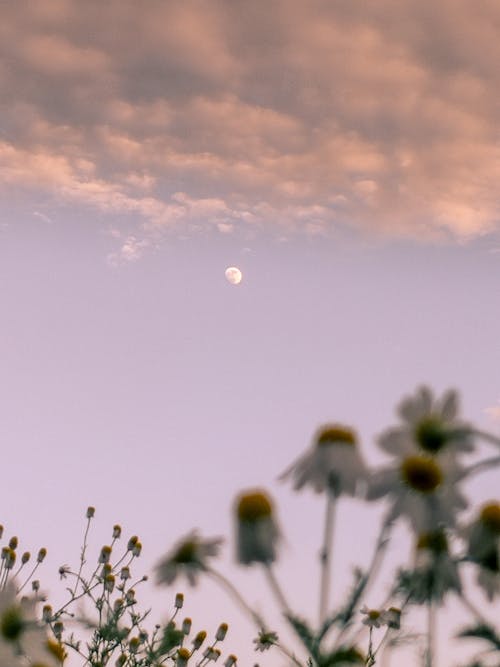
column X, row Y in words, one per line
column 342, row 656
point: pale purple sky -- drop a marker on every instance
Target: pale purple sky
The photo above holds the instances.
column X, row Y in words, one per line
column 346, row 159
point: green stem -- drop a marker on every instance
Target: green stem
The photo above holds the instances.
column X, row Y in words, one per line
column 325, row 559
column 236, row 595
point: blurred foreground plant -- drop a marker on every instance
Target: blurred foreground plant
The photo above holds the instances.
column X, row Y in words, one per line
column 101, row 622
column 422, row 486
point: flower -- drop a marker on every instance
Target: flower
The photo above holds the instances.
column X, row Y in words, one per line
column 483, row 547
column 20, row 634
column 256, row 529
column 392, row 617
column 265, row 640
column 189, row 556
column 424, row 490
column 430, row 426
column 333, row 462
column 374, row 617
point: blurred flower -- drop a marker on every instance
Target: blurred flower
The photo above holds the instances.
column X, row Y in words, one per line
column 483, row 547
column 373, row 617
column 423, row 489
column 430, row 426
column 188, row 557
column 392, row 617
column 20, row 634
column 265, row 640
column 256, row 529
column 333, row 462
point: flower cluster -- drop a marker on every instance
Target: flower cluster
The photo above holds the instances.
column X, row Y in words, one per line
column 422, row 485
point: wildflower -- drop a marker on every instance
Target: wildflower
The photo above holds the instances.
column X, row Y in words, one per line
column 186, row 625
column 199, row 639
column 179, row 601
column 430, row 426
column 373, row 617
column 137, row 548
column 35, row 585
column 105, row 554
column 132, row 542
column 109, row 583
column 90, row 512
column 211, row 653
column 125, row 573
column 265, row 640
column 183, row 655
column 392, row 617
column 423, row 489
column 333, row 462
column 19, row 632
column 221, row 632
column 189, row 557
column 13, row 542
column 483, row 547
column 256, row 529
column 230, row 660
column 41, row 555
column 117, row 531
column 64, row 570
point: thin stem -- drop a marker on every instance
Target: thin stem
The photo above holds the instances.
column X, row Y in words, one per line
column 486, row 463
column 276, row 589
column 289, row 654
column 378, row 554
column 431, row 630
column 236, row 595
column 325, row 558
column 82, row 555
column 492, row 439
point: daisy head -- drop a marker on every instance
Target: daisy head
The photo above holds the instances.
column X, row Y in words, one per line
column 423, row 488
column 332, row 463
column 256, row 529
column 430, row 426
column 373, row 618
column 189, row 557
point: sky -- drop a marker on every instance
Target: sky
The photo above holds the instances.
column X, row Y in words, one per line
column 345, row 156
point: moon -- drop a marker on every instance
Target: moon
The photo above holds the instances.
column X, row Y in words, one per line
column 233, row 275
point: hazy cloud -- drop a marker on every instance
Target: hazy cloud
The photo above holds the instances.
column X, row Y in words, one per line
column 234, row 115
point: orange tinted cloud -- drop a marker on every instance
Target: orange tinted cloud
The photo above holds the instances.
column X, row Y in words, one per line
column 294, row 116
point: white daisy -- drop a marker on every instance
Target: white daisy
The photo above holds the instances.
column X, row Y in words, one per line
column 423, row 489
column 430, row 426
column 256, row 529
column 483, row 547
column 373, row 617
column 188, row 557
column 333, row 462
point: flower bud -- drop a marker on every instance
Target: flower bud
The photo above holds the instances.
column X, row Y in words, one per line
column 41, row 555
column 221, row 632
column 179, row 601
column 90, row 512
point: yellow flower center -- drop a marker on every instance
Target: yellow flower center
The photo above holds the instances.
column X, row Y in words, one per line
column 373, row 614
column 336, row 435
column 435, row 542
column 490, row 517
column 11, row 623
column 431, row 435
column 254, row 506
column 421, row 474
column 186, row 553
column 184, row 653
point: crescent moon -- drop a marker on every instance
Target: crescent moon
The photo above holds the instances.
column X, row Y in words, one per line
column 233, row 275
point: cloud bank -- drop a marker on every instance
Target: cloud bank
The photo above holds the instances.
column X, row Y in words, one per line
column 296, row 117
